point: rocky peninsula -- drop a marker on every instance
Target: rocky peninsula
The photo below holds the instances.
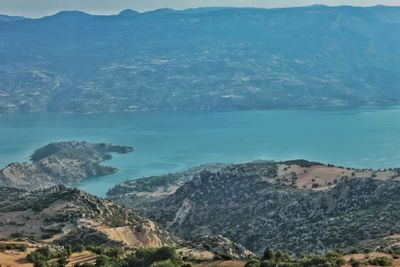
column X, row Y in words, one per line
column 66, row 163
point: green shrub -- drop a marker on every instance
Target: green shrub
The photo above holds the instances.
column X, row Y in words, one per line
column 282, row 256
column 16, row 235
column 268, row 254
column 288, row 264
column 166, row 263
column 103, row 261
column 335, row 259
column 165, row 253
column 252, row 263
column 62, row 261
column 148, row 257
column 381, row 261
column 331, row 259
column 42, row 255
column 268, row 263
column 84, row 265
column 355, row 263
column 20, row 247
column 224, row 257
column 40, row 264
column 46, row 236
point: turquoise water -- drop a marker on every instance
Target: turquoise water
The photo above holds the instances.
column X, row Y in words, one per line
column 168, row 142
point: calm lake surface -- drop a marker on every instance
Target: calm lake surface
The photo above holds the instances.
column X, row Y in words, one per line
column 168, row 142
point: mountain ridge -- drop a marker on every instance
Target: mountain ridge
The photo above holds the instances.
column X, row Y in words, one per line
column 207, row 9
column 204, row 59
column 296, row 206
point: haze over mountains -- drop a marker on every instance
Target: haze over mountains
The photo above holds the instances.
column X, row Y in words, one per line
column 201, row 59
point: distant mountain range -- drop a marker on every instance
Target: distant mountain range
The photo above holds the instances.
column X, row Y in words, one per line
column 5, row 18
column 201, row 59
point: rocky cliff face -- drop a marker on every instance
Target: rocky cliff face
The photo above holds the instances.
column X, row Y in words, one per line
column 220, row 246
column 64, row 162
column 257, row 205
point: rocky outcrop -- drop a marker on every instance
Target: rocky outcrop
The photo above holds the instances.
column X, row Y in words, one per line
column 64, row 162
column 221, row 247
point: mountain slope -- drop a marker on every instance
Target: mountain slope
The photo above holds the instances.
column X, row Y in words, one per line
column 61, row 216
column 201, row 59
column 256, row 204
column 67, row 216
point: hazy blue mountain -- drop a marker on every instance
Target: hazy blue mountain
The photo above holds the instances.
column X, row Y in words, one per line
column 201, row 59
column 6, row 18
